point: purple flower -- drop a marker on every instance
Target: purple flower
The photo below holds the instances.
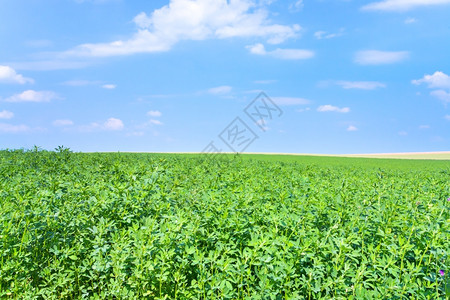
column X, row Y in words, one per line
column 442, row 272
column 448, row 199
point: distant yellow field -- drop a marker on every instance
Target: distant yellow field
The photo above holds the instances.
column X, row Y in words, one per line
column 442, row 155
column 412, row 155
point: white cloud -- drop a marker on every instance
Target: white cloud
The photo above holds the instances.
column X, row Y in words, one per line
column 257, row 49
column 55, row 63
column 410, row 20
column 325, row 35
column 8, row 128
column 9, row 75
column 141, row 42
column 33, row 96
column 401, row 5
column 224, row 89
column 154, row 113
column 95, row 1
column 296, row 6
column 326, row 108
column 150, row 124
column 321, row 35
column 438, row 80
column 376, row 57
column 441, row 95
column 62, row 123
column 402, row 133
column 136, row 133
column 156, row 122
column 290, row 101
column 193, row 20
column 109, row 86
column 269, row 81
column 89, row 82
column 80, row 82
column 352, row 128
column 292, row 54
column 113, row 124
column 303, row 109
column 142, row 20
column 362, row 85
column 424, row 127
column 266, row 2
column 447, row 117
column 4, row 114
column 263, row 124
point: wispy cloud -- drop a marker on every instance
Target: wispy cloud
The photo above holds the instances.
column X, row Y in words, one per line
column 442, row 95
column 112, row 124
column 33, row 96
column 9, row 75
column 331, row 108
column 289, row 54
column 63, row 123
column 223, row 89
column 401, row 5
column 109, row 86
column 154, row 113
column 95, row 1
column 77, row 82
column 55, row 63
column 361, row 85
column 320, row 35
column 4, row 114
column 410, row 20
column 290, row 101
column 269, row 81
column 263, row 124
column 9, row 128
column 150, row 124
column 352, row 128
column 296, row 6
column 376, row 57
column 155, row 122
column 447, row 117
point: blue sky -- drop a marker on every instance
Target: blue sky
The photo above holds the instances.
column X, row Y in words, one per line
column 116, row 75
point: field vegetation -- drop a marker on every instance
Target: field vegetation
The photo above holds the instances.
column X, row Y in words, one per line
column 172, row 226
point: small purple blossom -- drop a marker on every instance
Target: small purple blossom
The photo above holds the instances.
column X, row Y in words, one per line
column 448, row 199
column 442, row 272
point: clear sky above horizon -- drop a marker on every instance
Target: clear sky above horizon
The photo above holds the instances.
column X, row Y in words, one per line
column 342, row 76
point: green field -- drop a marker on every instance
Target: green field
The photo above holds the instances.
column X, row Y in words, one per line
column 173, row 226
